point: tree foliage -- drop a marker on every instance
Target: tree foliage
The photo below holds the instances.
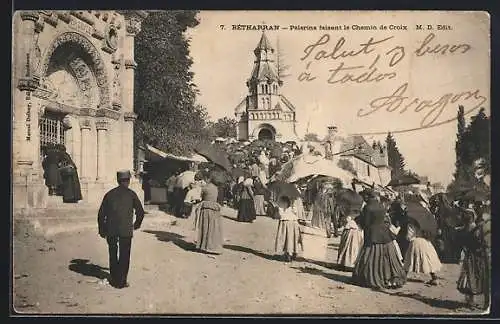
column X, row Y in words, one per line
column 165, row 96
column 473, row 143
column 396, row 159
column 347, row 165
column 223, row 127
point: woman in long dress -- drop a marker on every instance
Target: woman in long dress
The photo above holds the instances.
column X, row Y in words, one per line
column 50, row 169
column 351, row 242
column 288, row 234
column 421, row 256
column 236, row 190
column 378, row 264
column 474, row 276
column 71, row 189
column 246, row 209
column 320, row 217
column 259, row 192
column 209, row 225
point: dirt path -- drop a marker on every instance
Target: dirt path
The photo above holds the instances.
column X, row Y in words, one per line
column 61, row 276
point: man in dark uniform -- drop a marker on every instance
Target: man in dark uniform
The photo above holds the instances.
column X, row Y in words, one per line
column 116, row 224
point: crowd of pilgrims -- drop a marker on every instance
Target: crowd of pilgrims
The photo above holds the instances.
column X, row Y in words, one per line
column 382, row 239
column 60, row 173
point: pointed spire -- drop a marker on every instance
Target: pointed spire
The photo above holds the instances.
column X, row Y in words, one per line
column 264, row 44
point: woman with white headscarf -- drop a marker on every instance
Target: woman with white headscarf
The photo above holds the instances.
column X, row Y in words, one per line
column 246, row 208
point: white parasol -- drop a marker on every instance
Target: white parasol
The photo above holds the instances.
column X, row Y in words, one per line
column 308, row 165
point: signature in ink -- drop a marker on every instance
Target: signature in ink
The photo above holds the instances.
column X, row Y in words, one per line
column 432, row 109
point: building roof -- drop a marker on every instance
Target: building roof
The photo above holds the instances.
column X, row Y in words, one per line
column 287, row 103
column 357, row 146
column 283, row 105
column 264, row 43
column 263, row 71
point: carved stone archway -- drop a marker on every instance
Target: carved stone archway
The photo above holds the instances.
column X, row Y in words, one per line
column 265, row 132
column 98, row 66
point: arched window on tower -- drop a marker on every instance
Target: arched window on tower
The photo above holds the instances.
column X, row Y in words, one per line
column 267, row 89
column 268, row 103
column 262, row 88
column 263, row 103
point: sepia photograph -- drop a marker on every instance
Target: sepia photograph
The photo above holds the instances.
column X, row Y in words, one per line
column 250, row 163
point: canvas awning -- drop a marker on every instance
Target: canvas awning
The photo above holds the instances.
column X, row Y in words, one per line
column 161, row 154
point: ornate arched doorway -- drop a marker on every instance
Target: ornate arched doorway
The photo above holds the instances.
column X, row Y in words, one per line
column 73, row 77
column 266, row 134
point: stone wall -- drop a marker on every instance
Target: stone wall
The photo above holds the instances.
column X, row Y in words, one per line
column 97, row 49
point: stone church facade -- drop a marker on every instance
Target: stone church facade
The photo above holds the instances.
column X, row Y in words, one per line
column 72, row 84
column 265, row 113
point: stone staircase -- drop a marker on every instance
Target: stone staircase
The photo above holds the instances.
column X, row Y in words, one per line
column 60, row 217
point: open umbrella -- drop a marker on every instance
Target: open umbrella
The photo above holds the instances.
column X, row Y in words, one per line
column 281, row 188
column 351, row 197
column 403, row 180
column 422, row 216
column 215, row 155
column 306, row 166
column 239, row 172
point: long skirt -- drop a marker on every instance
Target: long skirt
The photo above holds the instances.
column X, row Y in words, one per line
column 209, row 231
column 259, row 205
column 351, row 242
column 474, row 276
column 421, row 257
column 299, row 207
column 398, row 251
column 71, row 187
column 378, row 266
column 195, row 215
column 246, row 211
column 287, row 237
column 320, row 219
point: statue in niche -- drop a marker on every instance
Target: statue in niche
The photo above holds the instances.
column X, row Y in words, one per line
column 116, row 85
column 36, row 56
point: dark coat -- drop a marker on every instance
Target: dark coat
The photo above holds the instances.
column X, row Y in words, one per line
column 71, row 189
column 116, row 214
column 50, row 168
column 374, row 222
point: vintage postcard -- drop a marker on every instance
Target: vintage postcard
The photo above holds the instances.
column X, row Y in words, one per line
column 251, row 162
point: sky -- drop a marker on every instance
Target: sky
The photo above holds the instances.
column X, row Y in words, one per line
column 459, row 74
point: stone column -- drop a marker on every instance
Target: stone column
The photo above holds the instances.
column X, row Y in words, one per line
column 26, row 25
column 133, row 21
column 85, row 127
column 102, row 150
column 128, row 141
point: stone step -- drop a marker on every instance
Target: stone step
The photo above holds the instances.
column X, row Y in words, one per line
column 62, row 222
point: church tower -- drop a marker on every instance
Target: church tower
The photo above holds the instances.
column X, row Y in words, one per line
column 265, row 113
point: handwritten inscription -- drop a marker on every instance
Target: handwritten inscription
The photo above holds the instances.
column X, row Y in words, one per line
column 428, row 47
column 345, row 73
column 28, row 116
column 338, row 51
column 432, row 109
